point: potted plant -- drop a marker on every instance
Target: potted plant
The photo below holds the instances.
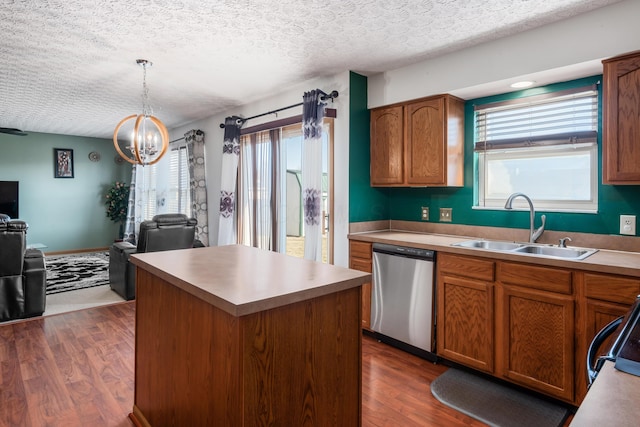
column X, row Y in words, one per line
column 117, row 201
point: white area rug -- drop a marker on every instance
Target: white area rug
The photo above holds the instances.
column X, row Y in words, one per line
column 78, row 271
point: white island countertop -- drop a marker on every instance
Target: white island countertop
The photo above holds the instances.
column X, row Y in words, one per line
column 243, row 280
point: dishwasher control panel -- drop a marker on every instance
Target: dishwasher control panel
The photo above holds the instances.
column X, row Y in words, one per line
column 403, row 250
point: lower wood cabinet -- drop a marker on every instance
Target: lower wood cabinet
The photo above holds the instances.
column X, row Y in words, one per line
column 494, row 317
column 603, row 298
column 360, row 258
column 465, row 311
column 536, row 335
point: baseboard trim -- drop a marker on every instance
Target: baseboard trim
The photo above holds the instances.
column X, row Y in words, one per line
column 78, row 251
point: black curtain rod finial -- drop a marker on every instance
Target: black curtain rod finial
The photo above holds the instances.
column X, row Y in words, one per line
column 332, row 95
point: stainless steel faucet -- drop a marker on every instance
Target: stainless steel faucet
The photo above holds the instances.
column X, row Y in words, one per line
column 533, row 233
column 563, row 242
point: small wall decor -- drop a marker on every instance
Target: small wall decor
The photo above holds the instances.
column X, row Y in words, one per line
column 94, row 156
column 62, row 163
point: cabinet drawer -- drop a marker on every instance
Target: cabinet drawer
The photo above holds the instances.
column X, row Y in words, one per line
column 474, row 268
column 531, row 276
column 360, row 249
column 360, row 264
column 611, row 288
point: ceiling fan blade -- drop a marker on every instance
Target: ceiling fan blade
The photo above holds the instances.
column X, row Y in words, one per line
column 13, row 131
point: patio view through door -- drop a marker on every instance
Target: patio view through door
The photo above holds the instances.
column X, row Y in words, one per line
column 289, row 215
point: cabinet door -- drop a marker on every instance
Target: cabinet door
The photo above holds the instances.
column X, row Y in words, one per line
column 360, row 259
column 599, row 314
column 362, row 265
column 537, row 335
column 621, row 120
column 465, row 321
column 387, row 146
column 425, row 135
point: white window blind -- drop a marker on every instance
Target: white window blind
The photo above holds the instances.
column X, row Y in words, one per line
column 179, row 199
column 568, row 117
column 150, row 184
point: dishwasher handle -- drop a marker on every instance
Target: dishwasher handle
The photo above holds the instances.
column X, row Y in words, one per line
column 403, row 251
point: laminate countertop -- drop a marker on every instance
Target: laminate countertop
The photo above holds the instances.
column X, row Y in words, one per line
column 612, row 400
column 603, row 261
column 243, row 280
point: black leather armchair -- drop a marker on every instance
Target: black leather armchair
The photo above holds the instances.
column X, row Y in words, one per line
column 163, row 233
column 23, row 278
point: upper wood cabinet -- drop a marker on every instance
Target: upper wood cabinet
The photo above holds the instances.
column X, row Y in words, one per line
column 418, row 143
column 387, row 146
column 621, row 120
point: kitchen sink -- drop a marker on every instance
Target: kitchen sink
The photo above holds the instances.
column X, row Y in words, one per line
column 489, row 244
column 556, row 252
column 528, row 249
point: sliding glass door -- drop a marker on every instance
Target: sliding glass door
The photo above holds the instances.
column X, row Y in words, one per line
column 270, row 197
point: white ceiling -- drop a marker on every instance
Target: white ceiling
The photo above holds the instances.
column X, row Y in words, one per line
column 68, row 66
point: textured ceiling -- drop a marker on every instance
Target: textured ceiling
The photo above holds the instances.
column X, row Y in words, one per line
column 68, row 66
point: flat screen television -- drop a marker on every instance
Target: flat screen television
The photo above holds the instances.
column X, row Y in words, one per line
column 9, row 198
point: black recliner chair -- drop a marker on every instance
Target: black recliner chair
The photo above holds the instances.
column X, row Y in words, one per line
column 163, row 233
column 23, row 278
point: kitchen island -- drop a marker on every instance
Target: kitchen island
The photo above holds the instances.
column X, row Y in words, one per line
column 237, row 336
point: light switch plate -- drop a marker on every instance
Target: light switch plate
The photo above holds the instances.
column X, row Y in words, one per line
column 445, row 214
column 628, row 225
column 424, row 213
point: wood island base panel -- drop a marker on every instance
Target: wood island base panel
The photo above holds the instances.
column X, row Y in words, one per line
column 294, row 364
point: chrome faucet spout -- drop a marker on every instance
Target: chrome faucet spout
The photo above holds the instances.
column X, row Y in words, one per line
column 534, row 233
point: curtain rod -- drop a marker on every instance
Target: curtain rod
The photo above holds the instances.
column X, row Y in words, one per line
column 332, row 96
column 176, row 140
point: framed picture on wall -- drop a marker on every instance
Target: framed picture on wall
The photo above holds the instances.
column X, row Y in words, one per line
column 62, row 163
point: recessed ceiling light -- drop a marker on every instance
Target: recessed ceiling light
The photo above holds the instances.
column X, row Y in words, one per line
column 523, row 84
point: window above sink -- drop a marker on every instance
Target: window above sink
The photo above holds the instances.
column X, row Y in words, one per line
column 544, row 145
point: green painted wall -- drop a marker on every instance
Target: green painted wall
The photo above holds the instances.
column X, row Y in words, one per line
column 405, row 203
column 365, row 203
column 62, row 213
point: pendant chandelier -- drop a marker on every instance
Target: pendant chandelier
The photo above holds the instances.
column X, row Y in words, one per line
column 141, row 138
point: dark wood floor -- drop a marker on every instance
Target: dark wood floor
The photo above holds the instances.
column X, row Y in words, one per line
column 76, row 369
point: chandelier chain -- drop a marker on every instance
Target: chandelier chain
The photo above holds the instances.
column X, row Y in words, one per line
column 146, row 105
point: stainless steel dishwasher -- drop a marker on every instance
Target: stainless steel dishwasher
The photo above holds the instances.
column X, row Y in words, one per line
column 402, row 309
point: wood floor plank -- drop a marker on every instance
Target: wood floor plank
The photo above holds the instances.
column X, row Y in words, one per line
column 77, row 369
column 396, row 390
column 13, row 402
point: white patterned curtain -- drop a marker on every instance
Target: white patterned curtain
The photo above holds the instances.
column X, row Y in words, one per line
column 227, row 228
column 137, row 203
column 260, row 193
column 198, row 183
column 312, row 115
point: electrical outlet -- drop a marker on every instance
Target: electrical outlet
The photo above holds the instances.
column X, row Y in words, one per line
column 424, row 213
column 445, row 214
column 628, row 225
